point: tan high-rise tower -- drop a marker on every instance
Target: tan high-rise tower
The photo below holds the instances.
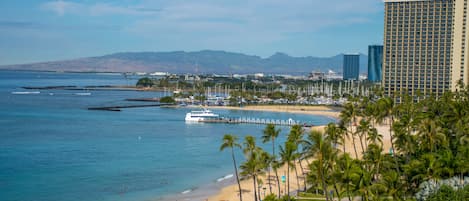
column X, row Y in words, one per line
column 425, row 46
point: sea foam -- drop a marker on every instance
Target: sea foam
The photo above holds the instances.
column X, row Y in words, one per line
column 225, row 178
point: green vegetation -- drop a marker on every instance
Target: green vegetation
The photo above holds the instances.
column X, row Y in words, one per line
column 429, row 142
column 447, row 193
column 145, row 82
column 167, row 99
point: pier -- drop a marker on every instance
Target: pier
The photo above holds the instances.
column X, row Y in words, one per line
column 118, row 108
column 248, row 120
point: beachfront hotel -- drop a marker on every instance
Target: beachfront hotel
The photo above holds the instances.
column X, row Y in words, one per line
column 375, row 63
column 425, row 46
column 351, row 66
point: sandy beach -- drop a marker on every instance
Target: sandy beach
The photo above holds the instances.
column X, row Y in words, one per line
column 298, row 109
column 230, row 193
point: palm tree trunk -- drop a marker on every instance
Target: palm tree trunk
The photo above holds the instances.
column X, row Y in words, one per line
column 237, row 177
column 288, row 180
column 324, row 186
column 343, row 143
column 255, row 187
column 268, row 181
column 353, row 136
column 361, row 144
column 297, row 180
column 304, row 175
column 366, row 140
column 337, row 192
column 278, row 183
column 392, row 146
column 348, row 194
column 273, row 155
column 354, row 146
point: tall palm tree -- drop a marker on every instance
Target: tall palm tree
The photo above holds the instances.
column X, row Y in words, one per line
column 276, row 165
column 374, row 137
column 288, row 157
column 249, row 145
column 251, row 167
column 321, row 149
column 347, row 169
column 230, row 141
column 334, row 134
column 385, row 109
column 270, row 134
column 296, row 136
column 362, row 130
column 349, row 117
column 431, row 135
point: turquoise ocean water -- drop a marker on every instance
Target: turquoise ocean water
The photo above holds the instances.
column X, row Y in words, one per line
column 52, row 148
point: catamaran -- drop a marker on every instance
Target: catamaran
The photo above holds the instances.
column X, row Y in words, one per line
column 201, row 115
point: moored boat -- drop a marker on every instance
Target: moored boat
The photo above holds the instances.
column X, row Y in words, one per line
column 201, row 115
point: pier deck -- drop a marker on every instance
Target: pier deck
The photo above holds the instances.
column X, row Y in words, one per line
column 247, row 120
column 119, row 107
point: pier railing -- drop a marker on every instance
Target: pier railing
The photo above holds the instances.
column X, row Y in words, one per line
column 249, row 120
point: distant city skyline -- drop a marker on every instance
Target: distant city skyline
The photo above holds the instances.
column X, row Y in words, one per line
column 38, row 30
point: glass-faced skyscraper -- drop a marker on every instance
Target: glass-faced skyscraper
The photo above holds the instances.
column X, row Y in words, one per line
column 351, row 66
column 375, row 62
column 425, row 46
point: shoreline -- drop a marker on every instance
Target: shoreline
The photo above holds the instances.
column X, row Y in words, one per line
column 328, row 111
column 226, row 190
column 230, row 192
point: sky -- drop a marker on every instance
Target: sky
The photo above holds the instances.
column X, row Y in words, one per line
column 49, row 30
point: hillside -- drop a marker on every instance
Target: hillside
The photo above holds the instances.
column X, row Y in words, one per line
column 206, row 61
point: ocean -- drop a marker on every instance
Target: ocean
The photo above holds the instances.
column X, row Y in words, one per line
column 52, row 148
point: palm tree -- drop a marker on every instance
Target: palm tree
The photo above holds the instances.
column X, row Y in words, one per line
column 431, row 135
column 321, row 149
column 392, row 184
column 349, row 116
column 363, row 129
column 230, row 141
column 252, row 167
column 276, row 165
column 288, row 157
column 347, row 169
column 296, row 136
column 334, row 134
column 374, row 137
column 270, row 134
column 249, row 145
column 385, row 109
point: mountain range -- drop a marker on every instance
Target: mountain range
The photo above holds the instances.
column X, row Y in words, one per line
column 206, row 61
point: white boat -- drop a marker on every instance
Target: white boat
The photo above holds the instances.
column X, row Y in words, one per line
column 198, row 116
column 82, row 94
column 25, row 92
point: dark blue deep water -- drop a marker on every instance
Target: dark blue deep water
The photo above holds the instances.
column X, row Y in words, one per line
column 53, row 149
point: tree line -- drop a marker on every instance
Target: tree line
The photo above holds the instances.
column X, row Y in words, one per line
column 429, row 142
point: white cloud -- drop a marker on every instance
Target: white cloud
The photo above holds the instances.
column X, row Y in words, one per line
column 215, row 24
column 255, row 16
column 61, row 8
